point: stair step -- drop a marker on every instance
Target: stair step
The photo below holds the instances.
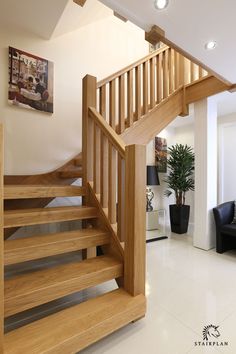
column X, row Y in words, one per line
column 31, row 248
column 73, row 329
column 39, row 287
column 41, row 191
column 71, row 172
column 23, row 217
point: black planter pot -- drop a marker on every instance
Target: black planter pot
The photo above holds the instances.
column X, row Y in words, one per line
column 179, row 218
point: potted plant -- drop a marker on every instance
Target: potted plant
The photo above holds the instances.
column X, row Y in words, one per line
column 179, row 181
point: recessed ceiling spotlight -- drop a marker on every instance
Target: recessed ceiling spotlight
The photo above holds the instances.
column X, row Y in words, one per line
column 161, row 4
column 210, row 45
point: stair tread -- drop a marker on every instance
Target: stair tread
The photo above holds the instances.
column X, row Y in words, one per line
column 40, row 246
column 41, row 191
column 73, row 329
column 37, row 287
column 21, row 217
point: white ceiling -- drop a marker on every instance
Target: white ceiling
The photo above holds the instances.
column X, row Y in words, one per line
column 34, row 16
column 50, row 18
column 75, row 17
column 190, row 24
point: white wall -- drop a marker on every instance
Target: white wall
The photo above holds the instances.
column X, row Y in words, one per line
column 37, row 142
column 227, row 159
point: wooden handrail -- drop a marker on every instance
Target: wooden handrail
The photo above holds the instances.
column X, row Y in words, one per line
column 1, row 245
column 113, row 138
column 131, row 66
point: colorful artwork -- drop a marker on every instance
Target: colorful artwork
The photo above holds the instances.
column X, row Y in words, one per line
column 30, row 81
column 161, row 154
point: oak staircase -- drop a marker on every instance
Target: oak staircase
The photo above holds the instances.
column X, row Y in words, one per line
column 121, row 114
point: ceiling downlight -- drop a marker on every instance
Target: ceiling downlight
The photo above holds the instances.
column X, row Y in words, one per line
column 161, row 4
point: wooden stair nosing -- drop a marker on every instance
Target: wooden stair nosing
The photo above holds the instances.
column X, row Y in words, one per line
column 73, row 329
column 36, row 247
column 38, row 287
column 36, row 216
column 41, row 191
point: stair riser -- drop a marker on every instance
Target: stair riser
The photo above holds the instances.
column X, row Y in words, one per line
column 24, row 302
column 47, row 250
column 47, row 216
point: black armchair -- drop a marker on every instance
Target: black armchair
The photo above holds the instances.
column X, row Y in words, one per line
column 225, row 231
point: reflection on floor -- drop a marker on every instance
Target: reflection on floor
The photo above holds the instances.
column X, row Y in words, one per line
column 187, row 289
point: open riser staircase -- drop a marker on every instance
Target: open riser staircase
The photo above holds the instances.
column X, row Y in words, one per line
column 121, row 114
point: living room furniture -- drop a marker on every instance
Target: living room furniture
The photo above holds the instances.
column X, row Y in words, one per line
column 156, row 225
column 152, row 180
column 225, row 230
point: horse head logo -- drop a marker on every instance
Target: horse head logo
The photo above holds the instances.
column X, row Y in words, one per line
column 210, row 331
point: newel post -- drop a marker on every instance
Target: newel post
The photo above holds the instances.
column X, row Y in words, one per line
column 135, row 219
column 89, row 100
column 1, row 246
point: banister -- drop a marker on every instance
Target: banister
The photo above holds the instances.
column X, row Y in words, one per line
column 131, row 66
column 108, row 131
column 1, row 245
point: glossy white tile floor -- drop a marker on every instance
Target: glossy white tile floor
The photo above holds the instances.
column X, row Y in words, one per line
column 187, row 289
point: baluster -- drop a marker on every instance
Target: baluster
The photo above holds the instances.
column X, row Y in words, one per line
column 145, row 87
column 152, row 83
column 138, row 92
column 112, row 185
column 96, row 159
column 130, row 111
column 159, row 74
column 181, row 70
column 121, row 201
column 192, row 72
column 102, row 97
column 166, row 74
column 104, row 171
column 112, row 104
column 171, row 70
column 121, row 104
column 201, row 72
column 177, row 71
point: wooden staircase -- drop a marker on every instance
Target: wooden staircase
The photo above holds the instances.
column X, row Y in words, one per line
column 133, row 106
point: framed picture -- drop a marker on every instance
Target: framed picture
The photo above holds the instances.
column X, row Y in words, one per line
column 161, row 154
column 30, row 81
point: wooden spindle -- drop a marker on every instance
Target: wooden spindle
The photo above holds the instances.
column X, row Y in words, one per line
column 137, row 92
column 171, row 71
column 112, row 185
column 96, row 159
column 166, row 74
column 159, row 77
column 121, row 201
column 181, row 70
column 112, row 104
column 1, row 245
column 145, row 87
column 121, row 104
column 152, row 83
column 177, row 71
column 135, row 219
column 201, row 72
column 192, row 72
column 102, row 98
column 104, row 171
column 130, row 110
